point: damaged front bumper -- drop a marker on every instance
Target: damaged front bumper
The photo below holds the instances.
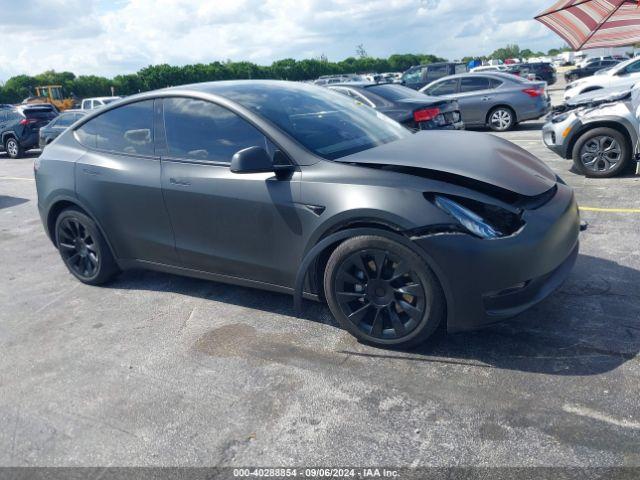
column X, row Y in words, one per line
column 486, row 281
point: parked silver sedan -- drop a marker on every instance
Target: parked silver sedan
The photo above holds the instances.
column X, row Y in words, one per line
column 496, row 100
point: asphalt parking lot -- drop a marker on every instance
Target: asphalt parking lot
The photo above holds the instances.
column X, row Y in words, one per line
column 161, row 370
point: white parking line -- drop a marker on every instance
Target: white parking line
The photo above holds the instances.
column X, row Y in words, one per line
column 603, row 417
column 17, row 178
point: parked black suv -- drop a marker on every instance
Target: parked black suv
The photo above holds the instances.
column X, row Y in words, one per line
column 590, row 69
column 19, row 126
column 540, row 71
column 421, row 75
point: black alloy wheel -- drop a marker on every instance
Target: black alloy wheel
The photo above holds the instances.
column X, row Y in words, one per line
column 78, row 248
column 382, row 292
column 83, row 248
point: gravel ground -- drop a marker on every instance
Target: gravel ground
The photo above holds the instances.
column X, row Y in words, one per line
column 161, row 370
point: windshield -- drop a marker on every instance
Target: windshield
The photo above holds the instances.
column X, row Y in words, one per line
column 622, row 66
column 327, row 123
column 395, row 92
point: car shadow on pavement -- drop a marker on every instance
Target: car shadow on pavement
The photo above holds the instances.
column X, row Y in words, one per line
column 26, row 156
column 8, row 202
column 521, row 127
column 590, row 326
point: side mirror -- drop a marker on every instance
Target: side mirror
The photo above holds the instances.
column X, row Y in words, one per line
column 251, row 160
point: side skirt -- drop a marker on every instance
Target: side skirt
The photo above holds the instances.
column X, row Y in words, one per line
column 214, row 277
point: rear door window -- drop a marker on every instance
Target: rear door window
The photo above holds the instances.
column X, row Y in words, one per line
column 473, row 84
column 201, row 130
column 461, row 69
column 434, row 73
column 127, row 129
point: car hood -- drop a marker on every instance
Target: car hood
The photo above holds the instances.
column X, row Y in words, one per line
column 603, row 95
column 481, row 157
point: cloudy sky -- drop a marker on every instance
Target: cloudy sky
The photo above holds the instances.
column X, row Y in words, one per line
column 109, row 37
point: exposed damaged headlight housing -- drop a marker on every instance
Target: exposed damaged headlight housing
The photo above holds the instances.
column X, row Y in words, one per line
column 482, row 220
column 561, row 117
column 471, row 221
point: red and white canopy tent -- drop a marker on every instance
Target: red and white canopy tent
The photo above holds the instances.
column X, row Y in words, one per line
column 594, row 23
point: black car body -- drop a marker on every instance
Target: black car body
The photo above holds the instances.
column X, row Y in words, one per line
column 293, row 188
column 20, row 126
column 535, row 71
column 589, row 70
column 406, row 106
column 420, row 75
column 55, row 127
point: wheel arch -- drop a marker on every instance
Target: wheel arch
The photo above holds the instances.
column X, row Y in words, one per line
column 312, row 266
column 62, row 204
column 316, row 269
column 619, row 124
column 7, row 134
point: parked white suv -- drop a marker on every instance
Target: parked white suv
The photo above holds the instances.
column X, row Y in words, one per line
column 625, row 74
column 97, row 102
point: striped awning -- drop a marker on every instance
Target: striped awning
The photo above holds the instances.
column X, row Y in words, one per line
column 594, row 23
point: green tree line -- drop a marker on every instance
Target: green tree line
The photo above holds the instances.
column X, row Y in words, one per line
column 152, row 77
column 514, row 51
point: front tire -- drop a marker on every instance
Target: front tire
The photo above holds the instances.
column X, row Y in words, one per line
column 83, row 249
column 601, row 153
column 13, row 147
column 501, row 119
column 383, row 293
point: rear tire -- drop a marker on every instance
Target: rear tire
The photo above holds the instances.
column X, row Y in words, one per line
column 501, row 119
column 83, row 248
column 383, row 293
column 601, row 153
column 13, row 147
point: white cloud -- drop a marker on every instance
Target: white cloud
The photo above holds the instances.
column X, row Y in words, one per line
column 107, row 38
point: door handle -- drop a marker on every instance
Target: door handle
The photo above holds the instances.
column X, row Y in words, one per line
column 183, row 182
column 485, row 99
column 88, row 171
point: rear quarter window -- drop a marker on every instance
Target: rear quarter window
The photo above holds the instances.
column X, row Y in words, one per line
column 127, row 129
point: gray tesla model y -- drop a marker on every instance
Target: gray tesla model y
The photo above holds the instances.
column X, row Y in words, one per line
column 295, row 188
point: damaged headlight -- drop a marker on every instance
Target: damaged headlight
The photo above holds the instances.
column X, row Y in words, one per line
column 561, row 117
column 482, row 220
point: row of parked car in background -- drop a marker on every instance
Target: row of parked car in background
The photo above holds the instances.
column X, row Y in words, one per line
column 35, row 125
column 597, row 126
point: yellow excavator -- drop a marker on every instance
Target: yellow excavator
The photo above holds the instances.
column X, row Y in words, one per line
column 52, row 94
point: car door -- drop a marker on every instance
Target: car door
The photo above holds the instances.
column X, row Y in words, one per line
column 475, row 98
column 118, row 179
column 237, row 225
